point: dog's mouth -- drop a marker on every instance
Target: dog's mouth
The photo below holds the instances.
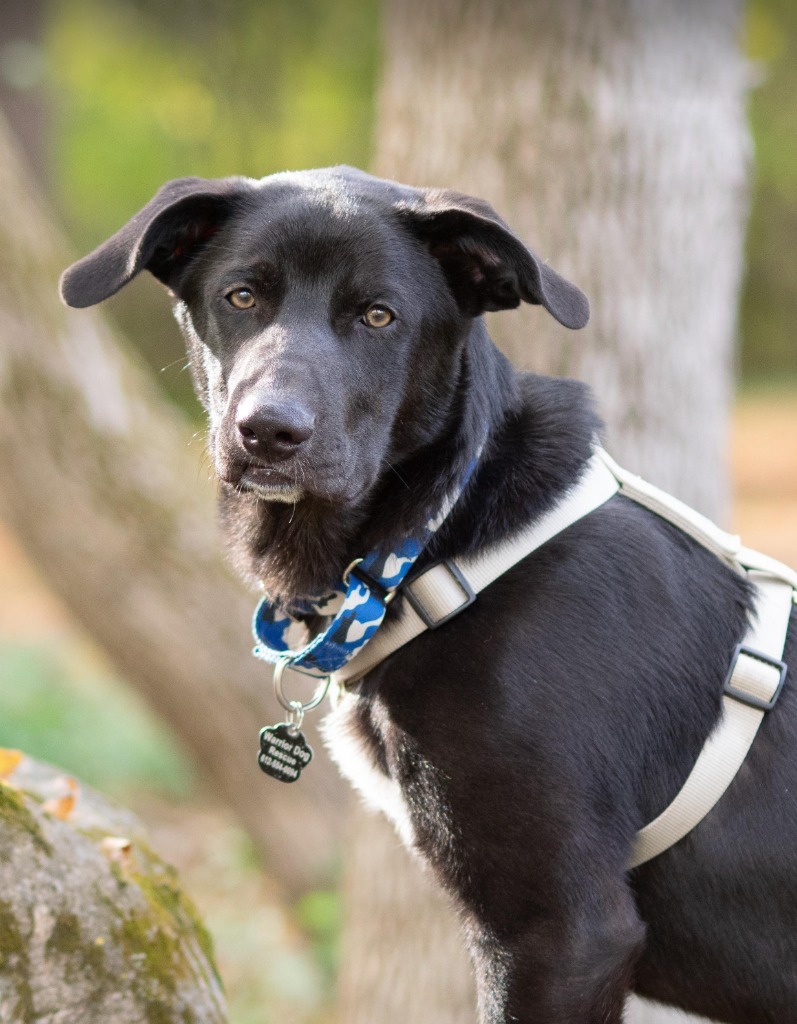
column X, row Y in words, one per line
column 289, row 481
column 267, row 483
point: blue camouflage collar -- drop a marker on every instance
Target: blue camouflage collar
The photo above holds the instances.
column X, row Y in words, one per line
column 357, row 605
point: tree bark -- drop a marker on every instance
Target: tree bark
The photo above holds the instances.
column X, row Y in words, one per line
column 611, row 136
column 93, row 926
column 23, row 79
column 402, row 958
column 100, row 483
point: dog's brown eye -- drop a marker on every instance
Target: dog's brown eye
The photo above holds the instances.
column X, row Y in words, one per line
column 378, row 316
column 241, row 298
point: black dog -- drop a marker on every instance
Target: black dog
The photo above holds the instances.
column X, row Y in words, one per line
column 334, row 326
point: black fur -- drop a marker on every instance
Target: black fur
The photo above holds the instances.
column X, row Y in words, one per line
column 534, row 734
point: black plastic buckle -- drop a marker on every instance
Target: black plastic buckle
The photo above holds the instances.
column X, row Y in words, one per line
column 747, row 698
column 461, row 582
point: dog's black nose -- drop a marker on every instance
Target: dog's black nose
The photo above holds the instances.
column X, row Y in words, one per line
column 273, row 430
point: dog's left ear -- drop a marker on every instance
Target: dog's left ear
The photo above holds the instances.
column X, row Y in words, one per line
column 487, row 267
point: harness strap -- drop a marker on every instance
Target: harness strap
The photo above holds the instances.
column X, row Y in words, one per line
column 756, row 673
column 726, row 546
column 445, row 589
column 755, row 682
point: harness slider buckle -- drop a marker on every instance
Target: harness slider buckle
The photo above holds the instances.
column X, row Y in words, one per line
column 748, row 698
column 422, row 611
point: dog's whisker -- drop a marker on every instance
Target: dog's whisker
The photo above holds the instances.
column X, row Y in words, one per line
column 174, row 362
column 393, row 469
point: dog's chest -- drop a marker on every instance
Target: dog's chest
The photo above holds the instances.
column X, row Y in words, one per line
column 350, row 741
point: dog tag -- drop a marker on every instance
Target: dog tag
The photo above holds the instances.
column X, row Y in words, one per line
column 284, row 752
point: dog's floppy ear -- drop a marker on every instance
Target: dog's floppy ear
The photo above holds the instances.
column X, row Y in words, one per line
column 162, row 238
column 487, row 267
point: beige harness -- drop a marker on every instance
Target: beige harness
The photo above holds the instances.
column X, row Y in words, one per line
column 754, row 679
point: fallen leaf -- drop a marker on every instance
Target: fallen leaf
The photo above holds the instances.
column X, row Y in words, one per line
column 62, row 806
column 116, row 848
column 9, row 760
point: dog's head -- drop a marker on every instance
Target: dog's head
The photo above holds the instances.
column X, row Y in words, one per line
column 323, row 313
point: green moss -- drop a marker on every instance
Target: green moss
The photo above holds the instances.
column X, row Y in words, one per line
column 154, row 948
column 65, row 936
column 15, row 814
column 158, row 1013
column 159, row 963
column 171, row 907
column 86, row 958
column 11, row 943
column 157, row 941
column 166, row 895
column 14, row 965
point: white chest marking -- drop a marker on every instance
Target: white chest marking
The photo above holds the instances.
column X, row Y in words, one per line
column 349, row 751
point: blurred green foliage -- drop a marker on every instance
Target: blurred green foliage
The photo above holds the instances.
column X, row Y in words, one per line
column 319, row 915
column 56, row 708
column 148, row 91
column 145, row 91
column 271, row 973
column 769, row 303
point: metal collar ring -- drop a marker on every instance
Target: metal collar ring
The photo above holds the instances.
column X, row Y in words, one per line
column 295, row 706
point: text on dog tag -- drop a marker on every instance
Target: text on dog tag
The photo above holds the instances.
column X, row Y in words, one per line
column 284, row 752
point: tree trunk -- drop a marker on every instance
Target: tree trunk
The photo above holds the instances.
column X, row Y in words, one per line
column 101, row 486
column 611, row 136
column 93, row 926
column 425, row 976
column 23, row 79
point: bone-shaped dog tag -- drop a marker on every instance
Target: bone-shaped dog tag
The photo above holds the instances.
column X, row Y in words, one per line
column 284, row 752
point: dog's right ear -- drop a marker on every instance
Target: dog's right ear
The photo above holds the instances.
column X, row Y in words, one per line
column 162, row 238
column 487, row 266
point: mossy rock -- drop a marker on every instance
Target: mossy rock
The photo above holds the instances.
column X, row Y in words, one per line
column 94, row 926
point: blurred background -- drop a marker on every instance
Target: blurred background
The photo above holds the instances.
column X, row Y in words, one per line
column 108, row 99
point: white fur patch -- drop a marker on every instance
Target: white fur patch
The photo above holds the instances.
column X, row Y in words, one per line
column 350, row 753
column 287, row 495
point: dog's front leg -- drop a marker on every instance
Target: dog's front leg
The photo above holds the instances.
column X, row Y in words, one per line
column 564, row 967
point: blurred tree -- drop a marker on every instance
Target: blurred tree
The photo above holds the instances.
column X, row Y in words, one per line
column 102, row 488
column 23, row 75
column 612, row 136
